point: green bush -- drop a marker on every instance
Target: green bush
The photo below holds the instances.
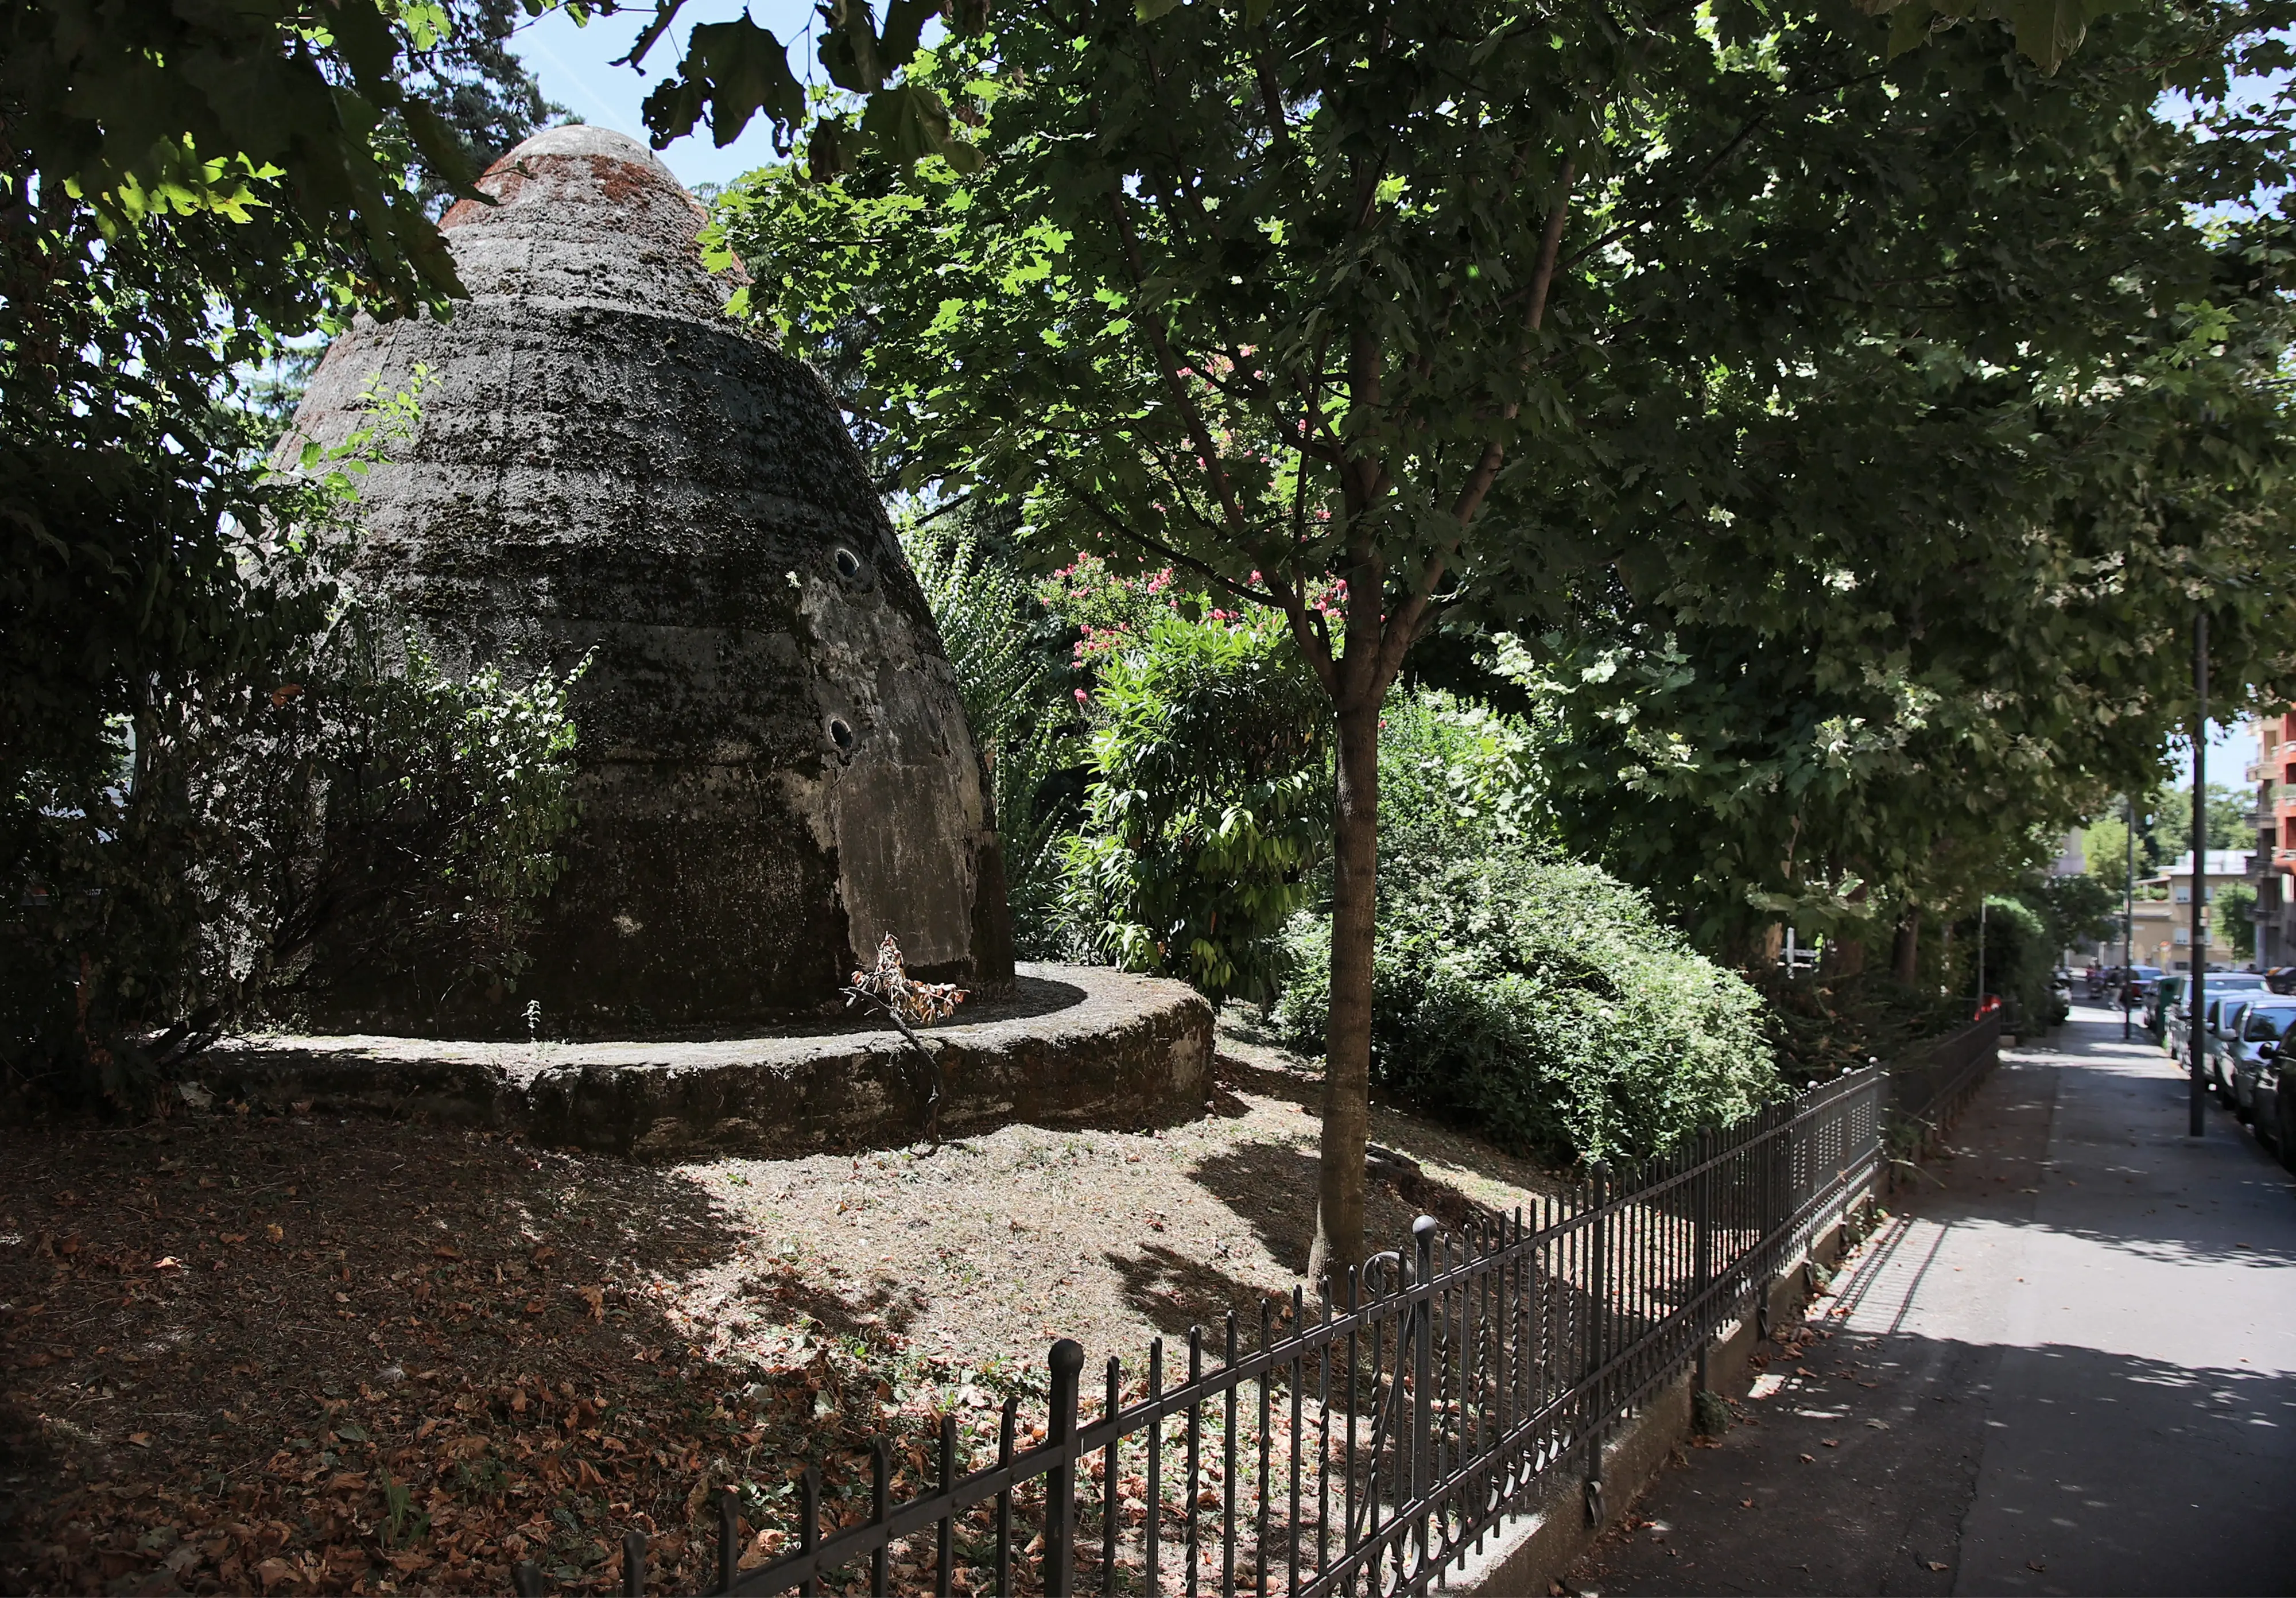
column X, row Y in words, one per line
column 1210, row 802
column 2020, row 958
column 340, row 810
column 1538, row 1003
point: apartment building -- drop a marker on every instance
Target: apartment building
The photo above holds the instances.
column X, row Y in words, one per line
column 2274, row 868
column 2163, row 921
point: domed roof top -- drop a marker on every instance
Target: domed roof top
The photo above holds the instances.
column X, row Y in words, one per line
column 585, row 216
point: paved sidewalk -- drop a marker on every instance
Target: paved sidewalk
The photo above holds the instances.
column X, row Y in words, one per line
column 2068, row 1364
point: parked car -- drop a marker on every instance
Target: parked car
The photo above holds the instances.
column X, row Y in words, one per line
column 2256, row 1031
column 2271, row 1111
column 2223, row 1013
column 2220, row 985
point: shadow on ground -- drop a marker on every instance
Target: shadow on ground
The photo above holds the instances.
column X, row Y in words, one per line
column 1808, row 1495
column 242, row 1352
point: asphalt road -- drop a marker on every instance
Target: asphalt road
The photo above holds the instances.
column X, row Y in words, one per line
column 2067, row 1364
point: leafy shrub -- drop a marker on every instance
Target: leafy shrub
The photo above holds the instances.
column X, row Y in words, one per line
column 1828, row 1024
column 2020, row 958
column 1209, row 802
column 1541, row 1005
column 344, row 811
column 1456, row 779
column 1539, row 1002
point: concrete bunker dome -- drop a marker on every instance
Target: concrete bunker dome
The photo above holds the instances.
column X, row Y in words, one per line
column 774, row 768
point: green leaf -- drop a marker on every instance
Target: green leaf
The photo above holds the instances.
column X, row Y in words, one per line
column 732, row 71
column 907, row 123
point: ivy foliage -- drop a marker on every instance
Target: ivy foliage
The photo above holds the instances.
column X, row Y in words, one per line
column 1208, row 805
column 2020, row 958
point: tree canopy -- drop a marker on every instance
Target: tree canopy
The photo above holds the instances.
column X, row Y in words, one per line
column 1389, row 319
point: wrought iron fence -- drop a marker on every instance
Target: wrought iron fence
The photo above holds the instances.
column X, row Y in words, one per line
column 1363, row 1446
column 1928, row 1087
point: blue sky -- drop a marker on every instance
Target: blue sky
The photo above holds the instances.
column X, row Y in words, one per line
column 2230, row 749
column 576, row 68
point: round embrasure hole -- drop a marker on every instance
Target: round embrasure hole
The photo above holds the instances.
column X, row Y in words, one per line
column 840, row 733
column 849, row 564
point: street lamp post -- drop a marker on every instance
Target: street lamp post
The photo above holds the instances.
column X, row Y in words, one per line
column 2129, row 917
column 2196, row 1007
column 1979, row 1010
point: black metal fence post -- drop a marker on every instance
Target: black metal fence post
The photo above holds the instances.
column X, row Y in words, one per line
column 1066, row 1361
column 809, row 1525
column 945, row 1533
column 729, row 1539
column 1597, row 1291
column 1701, row 1221
column 1417, row 1475
column 881, row 1503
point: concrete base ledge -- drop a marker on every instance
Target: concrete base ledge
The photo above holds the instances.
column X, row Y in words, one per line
column 1099, row 1048
column 1531, row 1552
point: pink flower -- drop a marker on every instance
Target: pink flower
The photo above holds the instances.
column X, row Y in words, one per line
column 1083, row 698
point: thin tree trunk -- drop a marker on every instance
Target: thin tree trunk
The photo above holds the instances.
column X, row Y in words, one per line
column 1347, row 1070
column 1906, row 952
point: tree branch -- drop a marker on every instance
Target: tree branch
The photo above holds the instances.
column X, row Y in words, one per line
column 1117, row 525
column 1150, row 321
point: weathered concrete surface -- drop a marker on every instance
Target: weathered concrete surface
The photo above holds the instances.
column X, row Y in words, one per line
column 2069, row 1366
column 1073, row 1046
column 774, row 768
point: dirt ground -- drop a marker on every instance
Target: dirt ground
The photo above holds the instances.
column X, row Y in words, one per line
column 301, row 1354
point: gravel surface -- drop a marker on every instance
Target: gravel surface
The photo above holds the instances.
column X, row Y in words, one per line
column 988, row 1248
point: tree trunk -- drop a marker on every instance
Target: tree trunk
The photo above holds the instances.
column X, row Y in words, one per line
column 1906, row 949
column 1347, row 1069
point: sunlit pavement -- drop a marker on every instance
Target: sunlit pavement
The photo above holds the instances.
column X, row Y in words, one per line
column 2067, row 1365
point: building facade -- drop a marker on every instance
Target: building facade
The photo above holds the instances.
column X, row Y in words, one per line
column 2273, row 872
column 2163, row 923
